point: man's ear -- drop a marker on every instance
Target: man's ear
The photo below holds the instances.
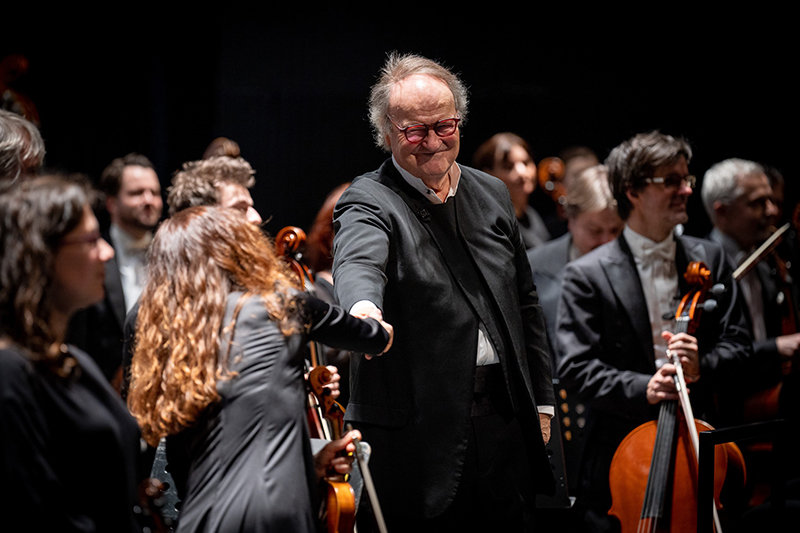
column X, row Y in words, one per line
column 720, row 210
column 632, row 193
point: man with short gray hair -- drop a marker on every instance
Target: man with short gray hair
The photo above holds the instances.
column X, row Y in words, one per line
column 464, row 396
column 738, row 198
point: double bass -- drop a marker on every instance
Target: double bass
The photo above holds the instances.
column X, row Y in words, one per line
column 653, row 475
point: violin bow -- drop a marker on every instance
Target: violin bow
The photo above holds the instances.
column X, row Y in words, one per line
column 369, row 485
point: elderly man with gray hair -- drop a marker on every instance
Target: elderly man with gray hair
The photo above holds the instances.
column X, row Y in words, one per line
column 738, row 198
column 458, row 410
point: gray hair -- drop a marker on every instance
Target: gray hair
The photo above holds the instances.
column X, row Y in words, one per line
column 721, row 182
column 21, row 146
column 397, row 68
column 590, row 191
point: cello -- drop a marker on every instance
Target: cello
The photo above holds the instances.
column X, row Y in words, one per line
column 653, row 475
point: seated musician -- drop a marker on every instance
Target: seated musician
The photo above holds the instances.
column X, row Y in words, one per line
column 218, row 370
column 611, row 337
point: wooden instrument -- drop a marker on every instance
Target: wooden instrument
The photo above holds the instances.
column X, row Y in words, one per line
column 551, row 179
column 653, row 476
column 325, row 415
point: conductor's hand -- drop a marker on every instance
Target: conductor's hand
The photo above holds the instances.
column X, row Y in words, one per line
column 374, row 312
column 329, row 458
column 544, row 422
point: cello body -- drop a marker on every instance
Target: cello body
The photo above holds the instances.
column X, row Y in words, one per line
column 630, row 469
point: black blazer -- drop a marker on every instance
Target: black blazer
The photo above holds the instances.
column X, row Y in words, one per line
column 547, row 265
column 413, row 403
column 605, row 348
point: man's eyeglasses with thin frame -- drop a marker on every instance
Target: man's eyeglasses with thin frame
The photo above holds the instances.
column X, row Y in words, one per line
column 417, row 132
column 674, row 182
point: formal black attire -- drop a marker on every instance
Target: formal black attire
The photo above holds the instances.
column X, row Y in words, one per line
column 246, row 464
column 606, row 355
column 68, row 450
column 547, row 266
column 439, row 272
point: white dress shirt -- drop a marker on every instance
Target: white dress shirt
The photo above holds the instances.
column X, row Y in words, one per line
column 131, row 257
column 655, row 262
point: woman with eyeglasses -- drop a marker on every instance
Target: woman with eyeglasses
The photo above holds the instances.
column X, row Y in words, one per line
column 68, row 446
column 218, row 370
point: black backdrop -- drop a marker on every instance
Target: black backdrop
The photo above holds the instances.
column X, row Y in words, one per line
column 292, row 89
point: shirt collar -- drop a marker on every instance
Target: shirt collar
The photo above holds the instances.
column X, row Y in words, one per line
column 427, row 192
column 125, row 241
column 731, row 247
column 643, row 247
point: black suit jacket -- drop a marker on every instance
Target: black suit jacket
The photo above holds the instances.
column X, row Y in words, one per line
column 547, row 265
column 413, row 403
column 97, row 330
column 606, row 356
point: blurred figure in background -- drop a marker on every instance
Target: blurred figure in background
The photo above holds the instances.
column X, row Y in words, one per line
column 133, row 201
column 507, row 156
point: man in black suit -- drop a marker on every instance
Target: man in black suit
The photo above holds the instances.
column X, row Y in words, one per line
column 738, row 198
column 457, row 410
column 612, row 338
column 133, row 201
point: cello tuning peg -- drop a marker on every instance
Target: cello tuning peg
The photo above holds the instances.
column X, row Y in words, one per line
column 718, row 289
column 709, row 305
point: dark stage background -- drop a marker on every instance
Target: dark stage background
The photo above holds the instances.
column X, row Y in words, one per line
column 292, row 89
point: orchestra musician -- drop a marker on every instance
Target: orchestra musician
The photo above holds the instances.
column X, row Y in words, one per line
column 68, row 446
column 434, row 246
column 738, row 198
column 218, row 370
column 611, row 334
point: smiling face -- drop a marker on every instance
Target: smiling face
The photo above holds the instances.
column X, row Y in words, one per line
column 79, row 266
column 422, row 99
column 657, row 209
column 517, row 170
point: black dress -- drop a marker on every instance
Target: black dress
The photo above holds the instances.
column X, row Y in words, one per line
column 246, row 465
column 68, row 450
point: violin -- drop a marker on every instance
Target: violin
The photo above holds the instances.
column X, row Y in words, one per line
column 325, row 415
column 653, row 475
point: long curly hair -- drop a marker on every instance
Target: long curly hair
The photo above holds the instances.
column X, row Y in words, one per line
column 34, row 217
column 197, row 258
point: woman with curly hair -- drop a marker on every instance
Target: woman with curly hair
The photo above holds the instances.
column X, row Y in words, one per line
column 218, row 370
column 68, row 446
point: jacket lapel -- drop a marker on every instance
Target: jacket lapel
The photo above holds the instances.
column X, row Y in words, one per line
column 623, row 278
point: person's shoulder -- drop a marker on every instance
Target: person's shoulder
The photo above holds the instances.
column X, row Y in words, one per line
column 482, row 179
column 547, row 250
column 13, row 363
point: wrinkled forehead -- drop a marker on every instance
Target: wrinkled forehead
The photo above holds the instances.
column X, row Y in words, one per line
column 421, row 95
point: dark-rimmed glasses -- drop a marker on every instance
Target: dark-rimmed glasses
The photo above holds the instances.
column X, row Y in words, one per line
column 417, row 132
column 674, row 181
